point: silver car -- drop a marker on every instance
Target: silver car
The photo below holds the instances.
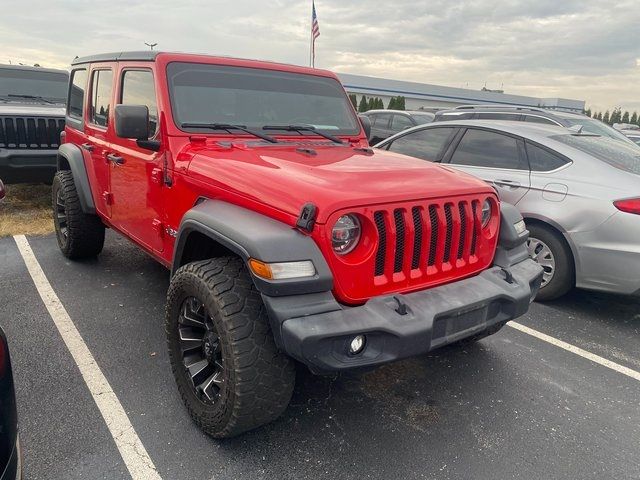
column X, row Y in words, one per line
column 579, row 194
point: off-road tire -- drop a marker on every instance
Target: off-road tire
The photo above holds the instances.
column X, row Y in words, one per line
column 85, row 232
column 258, row 378
column 563, row 279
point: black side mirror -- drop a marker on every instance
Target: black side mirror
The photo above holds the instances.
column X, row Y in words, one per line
column 366, row 125
column 132, row 121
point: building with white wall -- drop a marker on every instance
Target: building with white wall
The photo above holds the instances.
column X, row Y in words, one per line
column 424, row 95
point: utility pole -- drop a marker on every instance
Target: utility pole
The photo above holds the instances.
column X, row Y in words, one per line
column 150, row 45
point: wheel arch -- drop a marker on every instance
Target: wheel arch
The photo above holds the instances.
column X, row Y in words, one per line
column 214, row 228
column 70, row 158
column 562, row 235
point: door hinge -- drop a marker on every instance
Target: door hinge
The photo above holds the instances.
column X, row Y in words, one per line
column 156, row 176
column 108, row 198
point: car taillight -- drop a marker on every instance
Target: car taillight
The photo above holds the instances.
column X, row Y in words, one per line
column 629, row 205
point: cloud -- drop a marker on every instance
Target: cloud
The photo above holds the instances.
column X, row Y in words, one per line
column 586, row 49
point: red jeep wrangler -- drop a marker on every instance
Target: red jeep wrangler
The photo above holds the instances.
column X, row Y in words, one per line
column 286, row 235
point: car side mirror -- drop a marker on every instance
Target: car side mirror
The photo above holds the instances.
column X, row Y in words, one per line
column 366, row 125
column 132, row 121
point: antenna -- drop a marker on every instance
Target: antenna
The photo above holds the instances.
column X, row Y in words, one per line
column 150, row 45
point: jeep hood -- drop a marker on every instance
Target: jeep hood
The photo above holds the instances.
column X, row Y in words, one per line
column 335, row 178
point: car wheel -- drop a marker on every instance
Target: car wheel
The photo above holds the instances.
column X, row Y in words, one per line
column 229, row 372
column 548, row 249
column 79, row 235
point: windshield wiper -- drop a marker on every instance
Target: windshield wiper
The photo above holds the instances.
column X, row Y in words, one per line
column 303, row 128
column 228, row 127
column 30, row 97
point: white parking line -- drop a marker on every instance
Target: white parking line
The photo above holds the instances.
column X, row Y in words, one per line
column 577, row 350
column 131, row 449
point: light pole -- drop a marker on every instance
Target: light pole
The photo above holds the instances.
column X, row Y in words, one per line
column 150, row 45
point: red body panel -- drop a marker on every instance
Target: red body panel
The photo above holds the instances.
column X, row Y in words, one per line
column 273, row 180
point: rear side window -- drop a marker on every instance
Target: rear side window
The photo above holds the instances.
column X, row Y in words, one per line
column 138, row 89
column 78, row 86
column 400, row 122
column 425, row 144
column 536, row 119
column 381, row 120
column 542, row 160
column 498, row 116
column 101, row 85
column 480, row 148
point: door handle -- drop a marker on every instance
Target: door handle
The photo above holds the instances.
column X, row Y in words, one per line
column 115, row 159
column 507, row 183
column 87, row 146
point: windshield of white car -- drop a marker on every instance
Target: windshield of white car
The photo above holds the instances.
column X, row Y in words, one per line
column 589, row 125
column 624, row 156
column 17, row 85
column 255, row 98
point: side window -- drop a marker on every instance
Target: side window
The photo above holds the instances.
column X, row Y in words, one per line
column 542, row 160
column 101, row 85
column 382, row 120
column 138, row 89
column 373, row 119
column 536, row 119
column 480, row 148
column 77, row 87
column 498, row 116
column 425, row 144
column 400, row 122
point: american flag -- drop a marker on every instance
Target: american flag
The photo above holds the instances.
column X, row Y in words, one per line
column 315, row 32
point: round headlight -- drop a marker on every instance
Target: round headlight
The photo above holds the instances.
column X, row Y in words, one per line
column 486, row 213
column 345, row 234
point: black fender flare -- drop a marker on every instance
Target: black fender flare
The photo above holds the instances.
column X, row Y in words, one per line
column 512, row 246
column 249, row 234
column 71, row 155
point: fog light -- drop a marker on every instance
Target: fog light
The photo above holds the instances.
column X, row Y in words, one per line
column 357, row 344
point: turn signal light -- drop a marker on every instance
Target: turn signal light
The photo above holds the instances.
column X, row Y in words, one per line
column 629, row 205
column 282, row 270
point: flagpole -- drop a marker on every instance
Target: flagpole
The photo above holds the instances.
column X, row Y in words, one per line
column 311, row 36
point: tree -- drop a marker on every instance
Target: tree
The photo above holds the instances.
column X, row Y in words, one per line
column 380, row 103
column 401, row 103
column 616, row 115
column 372, row 103
column 634, row 118
column 392, row 104
column 354, row 100
column 587, row 112
column 625, row 117
column 598, row 116
column 605, row 119
column 363, row 104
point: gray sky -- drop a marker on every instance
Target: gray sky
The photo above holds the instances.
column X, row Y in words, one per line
column 584, row 49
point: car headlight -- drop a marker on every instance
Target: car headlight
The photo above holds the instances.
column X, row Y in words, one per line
column 487, row 210
column 345, row 234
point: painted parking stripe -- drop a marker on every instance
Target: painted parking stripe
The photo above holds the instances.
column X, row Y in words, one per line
column 129, row 445
column 577, row 350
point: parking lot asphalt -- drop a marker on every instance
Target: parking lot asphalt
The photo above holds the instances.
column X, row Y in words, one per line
column 510, row 406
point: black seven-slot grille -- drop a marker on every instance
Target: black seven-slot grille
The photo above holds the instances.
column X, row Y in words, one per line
column 431, row 238
column 30, row 132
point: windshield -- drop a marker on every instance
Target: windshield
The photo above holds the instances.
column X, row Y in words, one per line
column 422, row 118
column 589, row 125
column 625, row 156
column 255, row 98
column 15, row 83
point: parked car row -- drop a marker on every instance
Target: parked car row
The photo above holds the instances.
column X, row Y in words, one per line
column 578, row 193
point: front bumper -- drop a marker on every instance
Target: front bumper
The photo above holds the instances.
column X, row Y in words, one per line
column 32, row 166
column 435, row 317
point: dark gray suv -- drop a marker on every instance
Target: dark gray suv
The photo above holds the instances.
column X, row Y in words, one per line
column 530, row 115
column 385, row 123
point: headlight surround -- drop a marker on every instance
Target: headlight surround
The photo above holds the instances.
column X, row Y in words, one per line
column 345, row 234
column 487, row 211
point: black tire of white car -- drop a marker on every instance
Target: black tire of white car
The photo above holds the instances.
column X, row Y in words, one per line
column 563, row 279
column 253, row 379
column 79, row 235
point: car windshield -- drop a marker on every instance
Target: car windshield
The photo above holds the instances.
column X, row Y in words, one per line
column 256, row 98
column 620, row 155
column 20, row 85
column 589, row 125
